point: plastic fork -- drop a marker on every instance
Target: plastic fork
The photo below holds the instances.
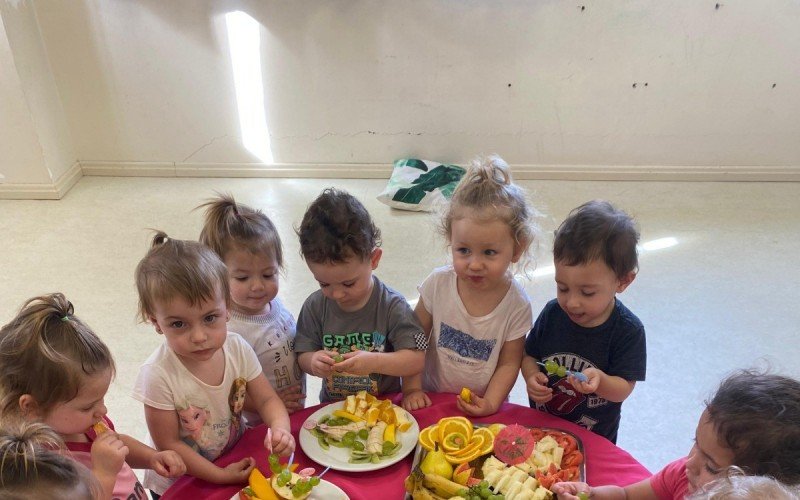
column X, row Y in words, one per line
column 578, row 375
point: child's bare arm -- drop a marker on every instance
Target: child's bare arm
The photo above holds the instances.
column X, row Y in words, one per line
column 637, row 491
column 164, row 429
column 402, row 363
column 505, row 374
column 414, row 397
column 273, row 413
column 140, row 456
column 610, row 387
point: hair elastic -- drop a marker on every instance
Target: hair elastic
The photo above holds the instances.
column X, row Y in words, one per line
column 65, row 318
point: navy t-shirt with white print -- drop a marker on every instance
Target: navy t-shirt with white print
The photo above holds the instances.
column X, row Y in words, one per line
column 617, row 347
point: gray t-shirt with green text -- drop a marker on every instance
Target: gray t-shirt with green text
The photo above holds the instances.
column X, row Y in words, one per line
column 385, row 324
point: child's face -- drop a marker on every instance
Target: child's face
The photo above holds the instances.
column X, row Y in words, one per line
column 194, row 332
column 253, row 280
column 192, row 419
column 482, row 253
column 73, row 418
column 586, row 292
column 708, row 458
column 237, row 405
column 349, row 284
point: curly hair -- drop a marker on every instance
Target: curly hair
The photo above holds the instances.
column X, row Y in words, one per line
column 598, row 230
column 337, row 227
column 229, row 225
column 46, row 351
column 179, row 268
column 757, row 416
column 487, row 192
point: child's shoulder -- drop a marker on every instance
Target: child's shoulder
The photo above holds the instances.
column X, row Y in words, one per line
column 627, row 318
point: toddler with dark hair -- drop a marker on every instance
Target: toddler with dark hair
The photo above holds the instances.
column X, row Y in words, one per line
column 355, row 332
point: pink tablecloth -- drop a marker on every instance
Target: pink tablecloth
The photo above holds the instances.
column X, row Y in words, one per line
column 605, row 462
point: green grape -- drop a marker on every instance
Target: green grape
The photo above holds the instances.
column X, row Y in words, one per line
column 363, row 434
column 349, row 438
column 358, row 446
column 387, row 448
column 583, row 495
column 562, row 372
column 314, row 481
column 286, row 475
column 338, row 358
column 297, row 490
column 551, row 367
column 274, row 464
column 281, row 481
column 483, row 484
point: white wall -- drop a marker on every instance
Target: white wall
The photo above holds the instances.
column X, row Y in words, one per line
column 540, row 82
column 36, row 147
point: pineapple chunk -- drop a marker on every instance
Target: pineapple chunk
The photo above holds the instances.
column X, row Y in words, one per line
column 350, row 404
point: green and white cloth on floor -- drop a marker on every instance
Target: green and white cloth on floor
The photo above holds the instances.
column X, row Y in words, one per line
column 420, row 184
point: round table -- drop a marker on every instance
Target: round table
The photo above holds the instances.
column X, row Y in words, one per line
column 606, row 463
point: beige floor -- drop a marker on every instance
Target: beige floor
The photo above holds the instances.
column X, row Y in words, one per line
column 725, row 296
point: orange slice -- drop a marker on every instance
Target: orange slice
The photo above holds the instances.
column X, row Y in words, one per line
column 455, row 424
column 476, row 443
column 454, row 442
column 488, row 444
column 429, row 437
column 461, row 459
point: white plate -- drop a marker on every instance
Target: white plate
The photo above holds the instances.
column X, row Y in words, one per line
column 338, row 458
column 323, row 491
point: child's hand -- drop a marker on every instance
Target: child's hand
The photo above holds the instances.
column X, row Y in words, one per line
column 237, row 472
column 282, row 441
column 537, row 388
column 167, row 463
column 357, row 363
column 571, row 491
column 322, row 363
column 593, row 376
column 477, row 407
column 416, row 400
column 292, row 397
column 108, row 454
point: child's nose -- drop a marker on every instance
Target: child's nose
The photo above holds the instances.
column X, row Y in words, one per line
column 198, row 335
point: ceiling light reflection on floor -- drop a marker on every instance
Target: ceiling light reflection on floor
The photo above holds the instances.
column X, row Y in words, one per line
column 244, row 40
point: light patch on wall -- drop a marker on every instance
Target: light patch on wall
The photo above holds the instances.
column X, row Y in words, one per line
column 244, row 40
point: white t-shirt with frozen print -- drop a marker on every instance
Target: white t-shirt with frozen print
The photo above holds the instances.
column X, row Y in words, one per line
column 463, row 349
column 208, row 422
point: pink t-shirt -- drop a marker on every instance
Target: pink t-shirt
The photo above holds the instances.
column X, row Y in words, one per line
column 127, row 486
column 670, row 483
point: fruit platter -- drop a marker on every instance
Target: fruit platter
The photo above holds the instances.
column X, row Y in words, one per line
column 361, row 433
column 284, row 482
column 456, row 459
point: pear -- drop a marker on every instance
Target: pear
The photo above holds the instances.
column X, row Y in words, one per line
column 435, row 463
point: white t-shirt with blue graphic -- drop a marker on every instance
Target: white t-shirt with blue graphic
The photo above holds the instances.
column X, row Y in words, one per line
column 464, row 349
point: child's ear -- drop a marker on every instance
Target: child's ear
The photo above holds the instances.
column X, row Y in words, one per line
column 29, row 407
column 375, row 257
column 519, row 249
column 155, row 324
column 625, row 281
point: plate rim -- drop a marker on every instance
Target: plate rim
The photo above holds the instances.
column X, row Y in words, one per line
column 306, row 439
column 339, row 488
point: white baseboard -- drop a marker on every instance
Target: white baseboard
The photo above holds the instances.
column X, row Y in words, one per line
column 54, row 191
column 287, row 170
column 723, row 173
